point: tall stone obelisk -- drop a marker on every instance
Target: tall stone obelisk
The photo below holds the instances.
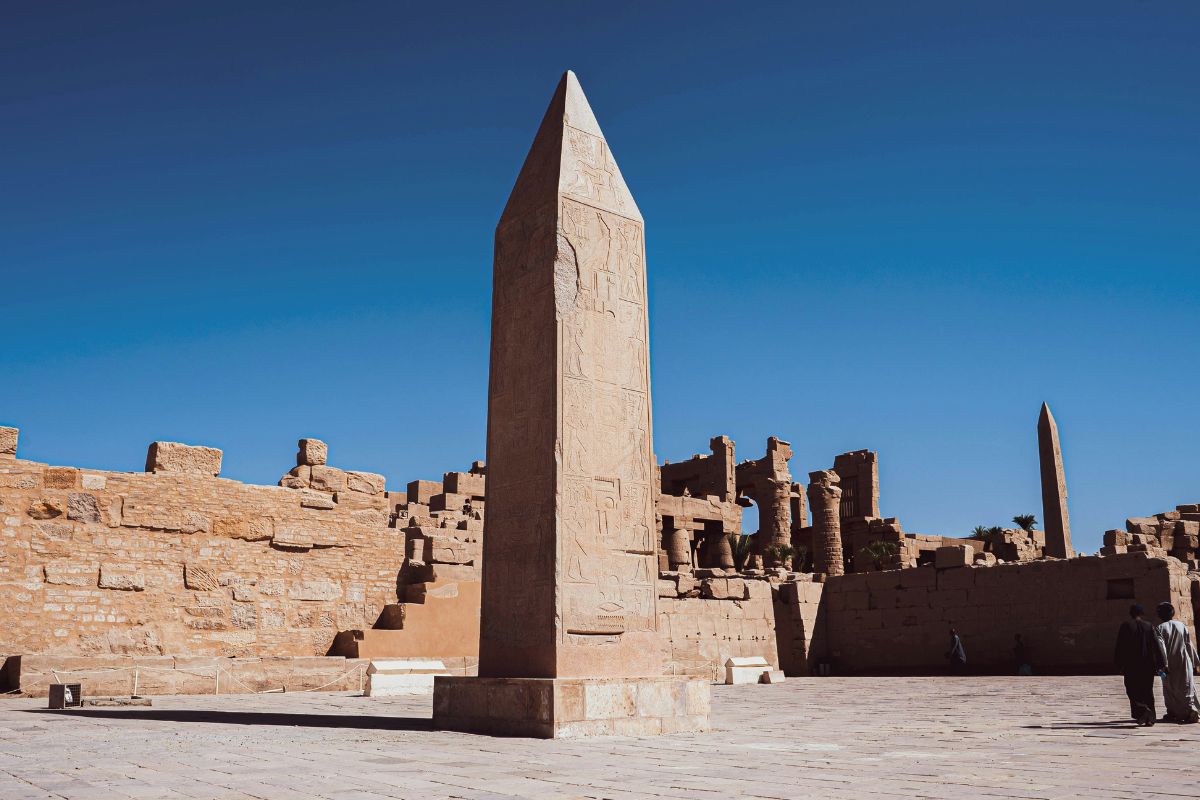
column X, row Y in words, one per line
column 569, row 631
column 1054, row 488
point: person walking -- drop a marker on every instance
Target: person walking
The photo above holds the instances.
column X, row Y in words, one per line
column 1021, row 656
column 1179, row 654
column 1138, row 656
column 957, row 654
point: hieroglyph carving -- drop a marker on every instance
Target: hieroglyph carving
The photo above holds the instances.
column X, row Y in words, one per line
column 600, row 298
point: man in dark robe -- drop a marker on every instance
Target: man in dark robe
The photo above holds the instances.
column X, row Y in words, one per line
column 957, row 654
column 1139, row 657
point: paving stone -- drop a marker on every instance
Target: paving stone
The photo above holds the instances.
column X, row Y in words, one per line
column 1038, row 737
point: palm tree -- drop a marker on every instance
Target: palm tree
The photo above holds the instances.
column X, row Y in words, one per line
column 877, row 551
column 780, row 555
column 740, row 545
column 801, row 561
column 1025, row 522
column 980, row 532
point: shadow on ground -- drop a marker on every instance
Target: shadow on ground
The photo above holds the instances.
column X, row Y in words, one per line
column 374, row 723
column 1121, row 724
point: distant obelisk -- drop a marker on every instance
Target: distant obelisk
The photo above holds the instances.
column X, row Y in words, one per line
column 569, row 641
column 1054, row 488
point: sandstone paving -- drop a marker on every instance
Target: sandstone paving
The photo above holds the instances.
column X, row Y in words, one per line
column 961, row 737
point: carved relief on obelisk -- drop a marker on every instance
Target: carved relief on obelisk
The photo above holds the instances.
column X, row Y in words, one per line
column 569, row 553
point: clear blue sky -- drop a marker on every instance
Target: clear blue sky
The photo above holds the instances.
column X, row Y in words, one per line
column 896, row 226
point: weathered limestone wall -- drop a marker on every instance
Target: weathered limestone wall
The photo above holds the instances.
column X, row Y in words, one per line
column 799, row 625
column 735, row 617
column 184, row 563
column 1067, row 612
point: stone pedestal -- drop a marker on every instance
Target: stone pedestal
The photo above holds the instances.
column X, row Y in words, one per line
column 556, row 708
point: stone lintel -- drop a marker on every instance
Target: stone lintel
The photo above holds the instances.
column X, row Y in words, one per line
column 559, row 708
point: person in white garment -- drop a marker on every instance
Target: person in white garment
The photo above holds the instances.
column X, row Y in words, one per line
column 1179, row 654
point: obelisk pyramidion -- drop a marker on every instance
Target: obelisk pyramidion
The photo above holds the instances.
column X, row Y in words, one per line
column 569, row 642
column 1054, row 488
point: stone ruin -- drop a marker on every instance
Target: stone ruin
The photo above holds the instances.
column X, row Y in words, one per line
column 604, row 580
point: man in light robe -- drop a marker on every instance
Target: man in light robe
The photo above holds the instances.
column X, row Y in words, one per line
column 1177, row 650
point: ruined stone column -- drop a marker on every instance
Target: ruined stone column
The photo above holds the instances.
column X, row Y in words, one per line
column 716, row 551
column 1054, row 488
column 679, row 548
column 722, row 451
column 569, row 641
column 825, row 498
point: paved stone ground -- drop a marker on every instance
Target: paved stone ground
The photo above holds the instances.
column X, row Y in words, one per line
column 825, row 737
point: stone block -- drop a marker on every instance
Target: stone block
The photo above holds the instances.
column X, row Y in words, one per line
column 921, row 577
column 314, row 590
column 311, row 498
column 571, row 707
column 421, row 492
column 69, row 573
column 198, row 578
column 758, row 590
column 184, row 458
column 82, row 507
column 122, row 577
column 772, row 676
column 723, row 588
column 19, row 481
column 1115, row 538
column 391, row 678
column 46, row 508
column 447, row 550
column 745, row 669
column 467, row 483
column 327, row 479
column 957, row 578
column 61, row 477
column 311, row 453
column 609, row 699
column 299, row 477
column 955, row 555
column 448, row 502
column 293, row 537
column 667, row 588
column 8, row 441
column 365, row 482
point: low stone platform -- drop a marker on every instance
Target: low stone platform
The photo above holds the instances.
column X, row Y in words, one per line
column 560, row 708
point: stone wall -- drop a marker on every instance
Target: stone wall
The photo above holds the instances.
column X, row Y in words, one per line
column 799, row 625
column 1175, row 532
column 703, row 622
column 1067, row 612
column 185, row 563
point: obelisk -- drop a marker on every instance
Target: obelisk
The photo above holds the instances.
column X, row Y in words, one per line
column 1054, row 488
column 569, row 630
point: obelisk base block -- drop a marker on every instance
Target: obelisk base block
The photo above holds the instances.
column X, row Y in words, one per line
column 557, row 708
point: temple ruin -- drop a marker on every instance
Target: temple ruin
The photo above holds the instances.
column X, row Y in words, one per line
column 570, row 571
